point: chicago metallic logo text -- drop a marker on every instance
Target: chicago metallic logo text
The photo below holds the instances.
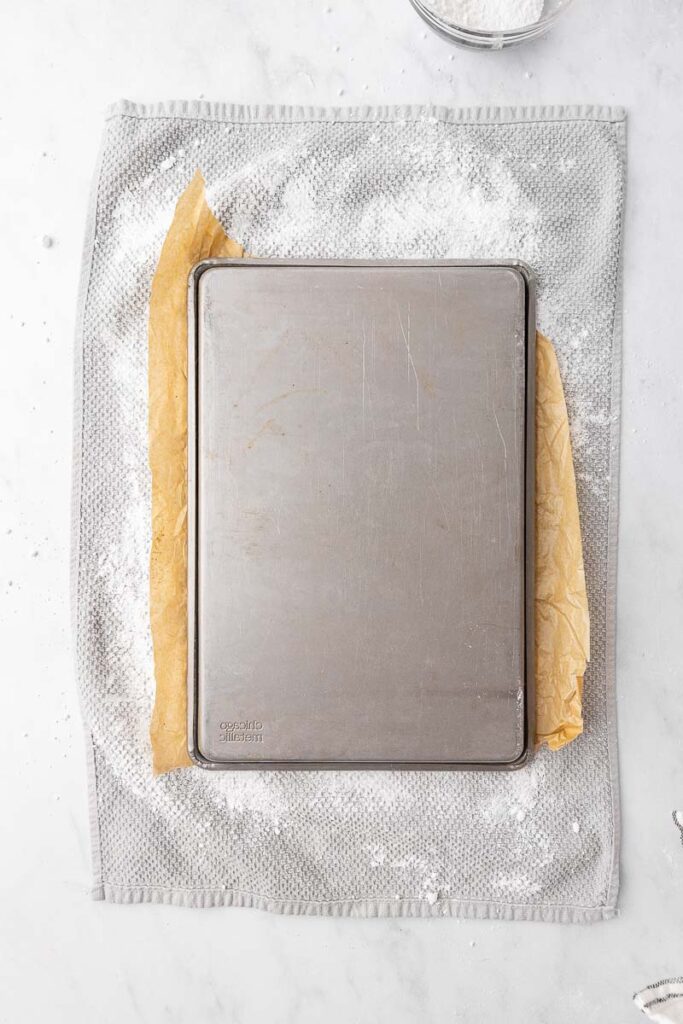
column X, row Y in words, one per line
column 248, row 731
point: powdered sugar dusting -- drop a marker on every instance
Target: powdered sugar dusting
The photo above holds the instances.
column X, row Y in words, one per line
column 488, row 15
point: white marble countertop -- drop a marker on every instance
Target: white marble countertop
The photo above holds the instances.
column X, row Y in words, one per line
column 64, row 958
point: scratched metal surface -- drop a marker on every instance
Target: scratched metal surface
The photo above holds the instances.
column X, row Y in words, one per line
column 545, row 186
column 361, row 495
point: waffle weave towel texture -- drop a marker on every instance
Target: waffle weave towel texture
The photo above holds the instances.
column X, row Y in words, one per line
column 545, row 185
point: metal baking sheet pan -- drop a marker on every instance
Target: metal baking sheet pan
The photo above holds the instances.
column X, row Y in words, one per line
column 360, row 514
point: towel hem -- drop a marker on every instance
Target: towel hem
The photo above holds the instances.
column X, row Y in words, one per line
column 612, row 548
column 273, row 114
column 363, row 908
column 90, row 235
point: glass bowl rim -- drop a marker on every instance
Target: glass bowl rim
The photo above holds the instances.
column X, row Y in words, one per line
column 486, row 34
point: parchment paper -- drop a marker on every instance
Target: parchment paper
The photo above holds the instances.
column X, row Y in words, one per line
column 194, row 235
column 562, row 621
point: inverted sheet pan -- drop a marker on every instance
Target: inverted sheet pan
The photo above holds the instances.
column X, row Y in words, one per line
column 360, row 514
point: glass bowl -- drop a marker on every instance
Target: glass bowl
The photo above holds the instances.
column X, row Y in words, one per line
column 486, row 39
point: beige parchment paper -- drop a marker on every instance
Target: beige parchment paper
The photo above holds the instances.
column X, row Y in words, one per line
column 194, row 235
column 562, row 621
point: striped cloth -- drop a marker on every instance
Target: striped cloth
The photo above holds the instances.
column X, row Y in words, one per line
column 663, row 1001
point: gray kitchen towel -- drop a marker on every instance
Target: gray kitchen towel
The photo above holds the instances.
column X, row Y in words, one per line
column 545, row 185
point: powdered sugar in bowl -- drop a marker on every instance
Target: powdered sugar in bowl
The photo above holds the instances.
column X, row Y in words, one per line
column 490, row 24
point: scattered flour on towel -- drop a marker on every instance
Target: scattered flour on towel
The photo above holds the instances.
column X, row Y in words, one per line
column 488, row 15
column 421, row 838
